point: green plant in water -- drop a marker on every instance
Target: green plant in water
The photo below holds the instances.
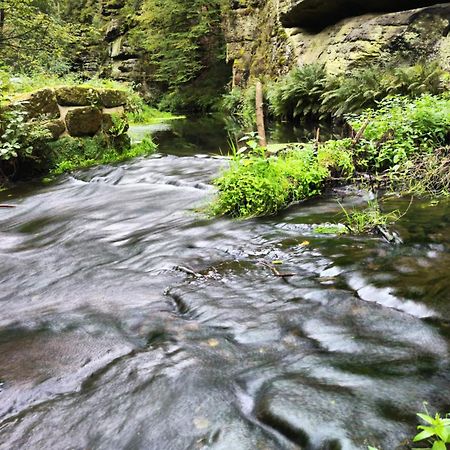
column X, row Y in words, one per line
column 369, row 219
column 256, row 185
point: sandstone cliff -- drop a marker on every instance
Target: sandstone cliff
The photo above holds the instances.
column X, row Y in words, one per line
column 268, row 37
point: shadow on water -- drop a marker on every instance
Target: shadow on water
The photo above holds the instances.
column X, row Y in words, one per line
column 128, row 321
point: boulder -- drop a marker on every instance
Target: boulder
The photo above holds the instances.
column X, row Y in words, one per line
column 39, row 104
column 112, row 98
column 77, row 96
column 55, row 127
column 85, row 121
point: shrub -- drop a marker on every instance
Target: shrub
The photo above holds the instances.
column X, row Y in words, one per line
column 20, row 142
column 240, row 104
column 400, row 128
column 69, row 154
column 255, row 185
column 308, row 91
column 298, row 95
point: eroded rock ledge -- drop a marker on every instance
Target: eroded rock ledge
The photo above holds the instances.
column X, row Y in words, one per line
column 269, row 37
column 311, row 14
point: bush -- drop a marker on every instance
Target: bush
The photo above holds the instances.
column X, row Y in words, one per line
column 298, row 95
column 256, row 185
column 241, row 105
column 308, row 92
column 400, row 128
column 21, row 143
column 399, row 132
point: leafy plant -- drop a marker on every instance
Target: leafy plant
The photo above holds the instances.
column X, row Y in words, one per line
column 299, row 94
column 369, row 219
column 256, row 184
column 400, row 128
column 436, row 432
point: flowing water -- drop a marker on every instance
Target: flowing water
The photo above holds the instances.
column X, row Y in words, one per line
column 129, row 321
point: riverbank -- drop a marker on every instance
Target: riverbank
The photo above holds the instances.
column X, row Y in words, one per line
column 384, row 147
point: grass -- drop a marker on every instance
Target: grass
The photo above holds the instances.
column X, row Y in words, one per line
column 20, row 84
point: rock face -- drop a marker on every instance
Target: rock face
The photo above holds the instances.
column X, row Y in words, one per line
column 268, row 37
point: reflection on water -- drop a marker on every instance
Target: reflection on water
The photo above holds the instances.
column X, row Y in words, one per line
column 107, row 343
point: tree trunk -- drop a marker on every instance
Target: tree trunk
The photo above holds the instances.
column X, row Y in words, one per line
column 260, row 115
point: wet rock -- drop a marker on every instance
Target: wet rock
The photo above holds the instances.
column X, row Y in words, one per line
column 84, row 121
column 313, row 13
column 340, row 34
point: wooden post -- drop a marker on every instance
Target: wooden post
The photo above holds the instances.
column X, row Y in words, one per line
column 260, row 115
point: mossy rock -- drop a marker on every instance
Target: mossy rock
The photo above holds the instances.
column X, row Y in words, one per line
column 85, row 121
column 113, row 98
column 39, row 104
column 78, row 96
column 56, row 127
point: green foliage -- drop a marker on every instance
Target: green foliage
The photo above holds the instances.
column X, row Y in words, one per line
column 70, row 154
column 424, row 174
column 20, row 139
column 31, row 39
column 369, row 219
column 241, row 105
column 400, row 131
column 337, row 157
column 309, row 91
column 436, row 432
column 181, row 38
column 331, row 228
column 148, row 115
column 400, row 128
column 298, row 95
column 255, row 185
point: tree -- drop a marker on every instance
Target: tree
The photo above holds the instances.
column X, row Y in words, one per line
column 180, row 37
column 31, row 38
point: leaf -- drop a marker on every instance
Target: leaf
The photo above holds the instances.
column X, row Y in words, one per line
column 426, row 418
column 424, row 434
column 439, row 445
column 277, row 262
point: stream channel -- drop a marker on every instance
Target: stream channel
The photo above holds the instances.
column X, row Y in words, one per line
column 106, row 344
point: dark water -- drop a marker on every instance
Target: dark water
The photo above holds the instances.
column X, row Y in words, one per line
column 105, row 344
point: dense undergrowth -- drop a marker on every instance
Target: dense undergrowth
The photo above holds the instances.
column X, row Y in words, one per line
column 385, row 144
column 69, row 154
column 309, row 92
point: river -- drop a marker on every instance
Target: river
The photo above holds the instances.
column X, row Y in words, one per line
column 107, row 341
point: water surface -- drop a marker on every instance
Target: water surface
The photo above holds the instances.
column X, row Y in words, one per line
column 107, row 341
